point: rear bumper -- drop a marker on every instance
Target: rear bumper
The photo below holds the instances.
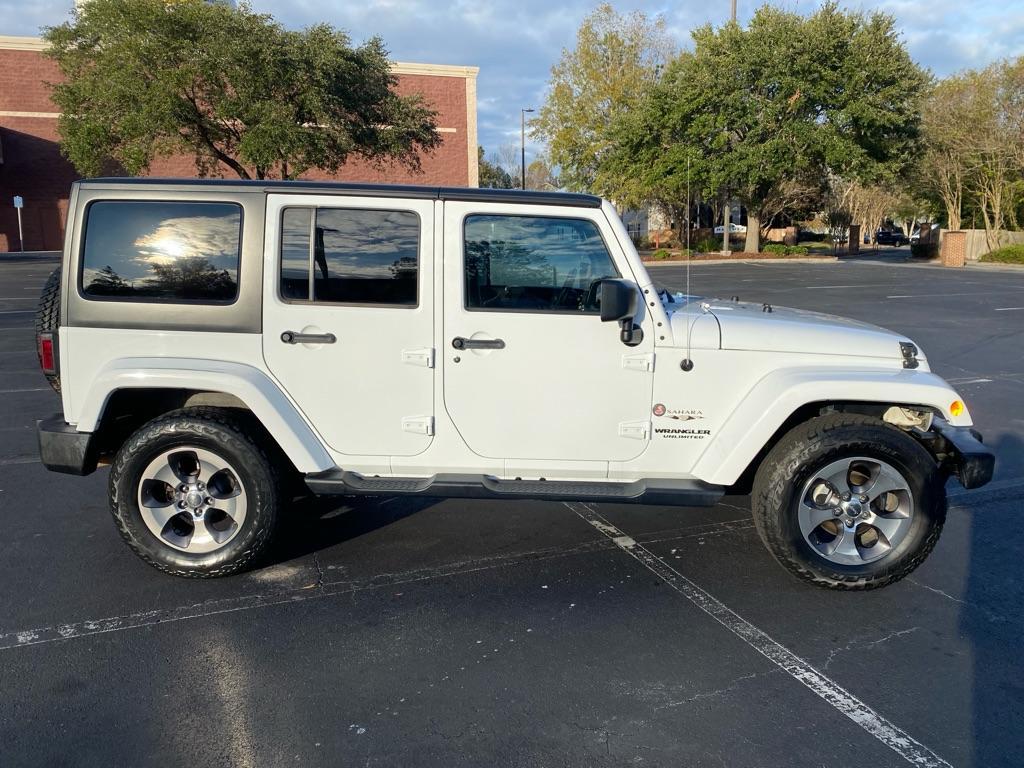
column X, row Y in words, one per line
column 62, row 448
column 961, row 452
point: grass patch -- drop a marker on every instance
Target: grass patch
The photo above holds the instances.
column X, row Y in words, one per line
column 1008, row 254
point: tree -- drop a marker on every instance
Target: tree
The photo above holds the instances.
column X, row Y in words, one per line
column 539, row 175
column 147, row 78
column 615, row 62
column 867, row 205
column 996, row 176
column 508, row 158
column 948, row 117
column 770, row 112
column 493, row 175
column 107, row 282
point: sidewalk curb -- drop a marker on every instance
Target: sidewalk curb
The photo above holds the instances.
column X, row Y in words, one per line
column 16, row 256
column 694, row 262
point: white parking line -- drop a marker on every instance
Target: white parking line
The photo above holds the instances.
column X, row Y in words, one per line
column 821, row 685
column 17, row 311
column 1008, row 309
column 932, row 295
column 311, row 591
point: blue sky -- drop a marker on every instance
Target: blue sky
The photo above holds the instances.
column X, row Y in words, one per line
column 515, row 42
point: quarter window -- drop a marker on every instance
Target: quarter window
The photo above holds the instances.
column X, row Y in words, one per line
column 534, row 263
column 355, row 256
column 162, row 251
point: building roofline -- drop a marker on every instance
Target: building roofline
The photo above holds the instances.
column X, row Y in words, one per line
column 21, row 43
column 347, row 189
column 437, row 70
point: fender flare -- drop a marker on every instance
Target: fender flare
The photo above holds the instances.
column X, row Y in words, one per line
column 250, row 385
column 778, row 395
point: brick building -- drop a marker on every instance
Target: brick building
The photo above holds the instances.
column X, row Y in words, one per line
column 31, row 164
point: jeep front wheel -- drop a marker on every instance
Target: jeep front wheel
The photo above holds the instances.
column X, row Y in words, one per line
column 193, row 494
column 849, row 502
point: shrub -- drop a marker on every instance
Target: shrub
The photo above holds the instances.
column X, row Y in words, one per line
column 708, row 245
column 1008, row 254
column 786, row 250
column 660, row 254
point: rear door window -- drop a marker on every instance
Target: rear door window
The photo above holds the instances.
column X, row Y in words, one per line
column 355, row 256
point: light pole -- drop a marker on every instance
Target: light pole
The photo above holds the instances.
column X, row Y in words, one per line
column 726, row 212
column 522, row 143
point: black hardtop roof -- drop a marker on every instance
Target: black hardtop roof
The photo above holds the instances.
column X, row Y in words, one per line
column 468, row 194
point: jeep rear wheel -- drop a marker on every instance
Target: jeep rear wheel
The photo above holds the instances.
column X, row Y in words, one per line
column 193, row 494
column 849, row 502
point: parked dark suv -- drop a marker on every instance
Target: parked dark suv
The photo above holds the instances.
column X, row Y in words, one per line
column 888, row 237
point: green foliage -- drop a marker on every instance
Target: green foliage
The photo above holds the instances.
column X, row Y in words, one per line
column 768, row 112
column 661, row 254
column 1008, row 254
column 973, row 163
column 147, row 78
column 786, row 250
column 616, row 60
column 708, row 245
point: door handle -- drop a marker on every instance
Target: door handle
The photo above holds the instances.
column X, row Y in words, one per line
column 293, row 337
column 462, row 343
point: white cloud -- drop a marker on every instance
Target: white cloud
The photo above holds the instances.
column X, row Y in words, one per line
column 515, row 42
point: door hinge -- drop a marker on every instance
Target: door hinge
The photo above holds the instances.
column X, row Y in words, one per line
column 418, row 425
column 644, row 362
column 637, row 430
column 422, row 357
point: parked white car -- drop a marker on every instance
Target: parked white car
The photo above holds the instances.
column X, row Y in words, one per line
column 213, row 341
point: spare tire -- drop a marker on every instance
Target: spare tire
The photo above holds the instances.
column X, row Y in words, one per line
column 48, row 317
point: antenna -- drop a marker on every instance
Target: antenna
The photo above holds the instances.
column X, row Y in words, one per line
column 687, row 363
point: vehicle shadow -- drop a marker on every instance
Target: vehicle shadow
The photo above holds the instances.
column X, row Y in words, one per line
column 992, row 616
column 312, row 524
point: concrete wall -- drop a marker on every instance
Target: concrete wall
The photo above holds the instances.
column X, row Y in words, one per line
column 33, row 167
column 977, row 245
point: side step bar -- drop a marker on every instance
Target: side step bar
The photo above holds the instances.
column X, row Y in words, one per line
column 686, row 493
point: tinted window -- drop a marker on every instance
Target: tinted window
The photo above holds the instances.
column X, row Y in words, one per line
column 163, row 251
column 534, row 263
column 358, row 256
column 295, row 231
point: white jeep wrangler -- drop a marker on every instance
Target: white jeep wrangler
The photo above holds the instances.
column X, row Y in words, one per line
column 214, row 340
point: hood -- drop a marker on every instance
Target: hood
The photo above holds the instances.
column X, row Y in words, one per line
column 745, row 325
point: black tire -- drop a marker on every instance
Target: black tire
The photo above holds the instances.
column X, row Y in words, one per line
column 227, row 435
column 48, row 315
column 812, row 445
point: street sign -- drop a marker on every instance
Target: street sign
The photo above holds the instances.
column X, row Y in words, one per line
column 19, row 203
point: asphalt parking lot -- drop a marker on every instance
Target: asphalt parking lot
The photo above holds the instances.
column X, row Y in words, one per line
column 441, row 633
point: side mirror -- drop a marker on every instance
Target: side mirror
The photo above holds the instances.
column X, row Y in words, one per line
column 619, row 300
column 619, row 303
